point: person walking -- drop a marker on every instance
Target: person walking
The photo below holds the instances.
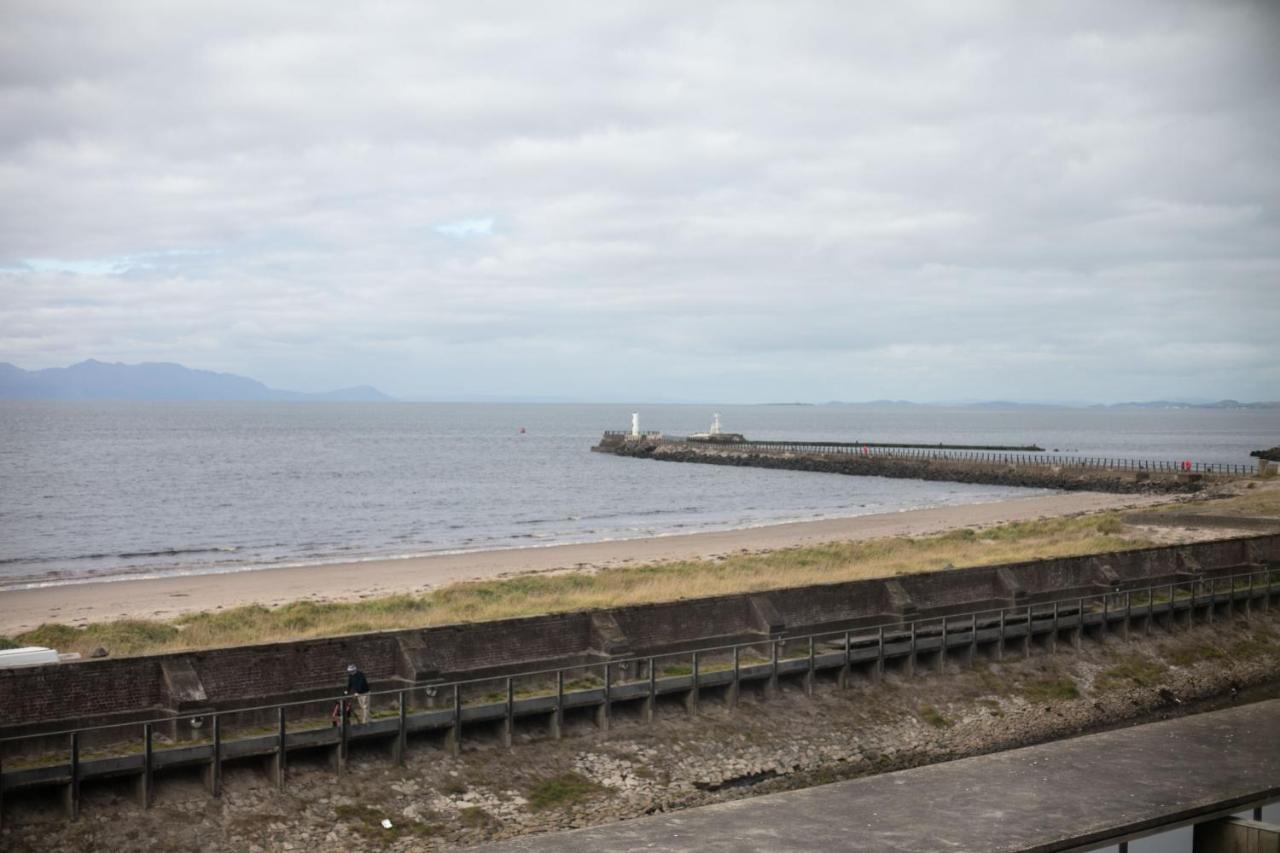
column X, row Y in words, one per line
column 358, row 686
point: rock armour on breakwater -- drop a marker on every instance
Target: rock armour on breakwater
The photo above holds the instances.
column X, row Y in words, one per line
column 1047, row 477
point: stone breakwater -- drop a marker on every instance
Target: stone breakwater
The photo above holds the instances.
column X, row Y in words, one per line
column 949, row 470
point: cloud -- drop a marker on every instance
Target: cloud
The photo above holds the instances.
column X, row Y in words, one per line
column 753, row 201
column 118, row 265
column 463, row 228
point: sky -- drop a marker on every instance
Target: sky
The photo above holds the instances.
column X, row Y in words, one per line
column 720, row 202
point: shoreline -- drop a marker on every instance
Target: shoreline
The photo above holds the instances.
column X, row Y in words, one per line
column 21, row 583
column 169, row 597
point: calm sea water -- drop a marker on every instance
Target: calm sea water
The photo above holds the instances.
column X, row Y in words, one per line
column 113, row 489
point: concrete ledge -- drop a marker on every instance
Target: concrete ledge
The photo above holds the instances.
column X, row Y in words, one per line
column 1068, row 795
column 183, row 688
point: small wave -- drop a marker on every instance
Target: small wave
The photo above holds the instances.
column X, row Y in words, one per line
column 631, row 513
column 645, row 524
column 123, row 555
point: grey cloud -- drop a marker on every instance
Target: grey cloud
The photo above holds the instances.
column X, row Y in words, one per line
column 761, row 201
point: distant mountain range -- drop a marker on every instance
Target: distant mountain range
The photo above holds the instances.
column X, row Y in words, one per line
column 1173, row 404
column 96, row 380
column 1008, row 404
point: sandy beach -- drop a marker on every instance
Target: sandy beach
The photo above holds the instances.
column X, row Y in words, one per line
column 162, row 598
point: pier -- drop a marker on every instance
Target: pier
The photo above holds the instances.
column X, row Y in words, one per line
column 1003, row 466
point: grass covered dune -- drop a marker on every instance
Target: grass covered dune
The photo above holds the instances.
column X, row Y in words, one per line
column 533, row 594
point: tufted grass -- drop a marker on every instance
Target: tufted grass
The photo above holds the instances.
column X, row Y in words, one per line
column 934, row 717
column 1134, row 672
column 1043, row 690
column 534, row 594
column 567, row 789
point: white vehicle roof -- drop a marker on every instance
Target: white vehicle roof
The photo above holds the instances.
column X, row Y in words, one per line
column 27, row 656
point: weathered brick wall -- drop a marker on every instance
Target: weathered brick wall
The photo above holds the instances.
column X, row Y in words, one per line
column 1233, row 552
column 248, row 671
column 1040, row 577
column 459, row 648
column 56, row 691
column 950, row 588
column 834, row 603
column 658, row 625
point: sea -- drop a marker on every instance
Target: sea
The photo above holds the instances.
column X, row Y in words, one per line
column 108, row 490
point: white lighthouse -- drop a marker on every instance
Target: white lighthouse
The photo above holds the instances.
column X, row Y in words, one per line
column 635, row 424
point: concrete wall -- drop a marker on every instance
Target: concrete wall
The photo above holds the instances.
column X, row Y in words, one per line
column 47, row 696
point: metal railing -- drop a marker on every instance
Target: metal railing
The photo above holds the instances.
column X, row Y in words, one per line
column 873, row 646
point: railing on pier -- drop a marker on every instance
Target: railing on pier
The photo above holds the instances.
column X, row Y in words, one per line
column 599, row 685
column 1044, row 460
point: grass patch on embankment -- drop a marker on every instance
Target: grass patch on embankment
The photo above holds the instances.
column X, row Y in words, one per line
column 934, row 717
column 121, row 637
column 1042, row 690
column 1259, row 498
column 366, row 821
column 567, row 789
column 1134, row 672
column 552, row 593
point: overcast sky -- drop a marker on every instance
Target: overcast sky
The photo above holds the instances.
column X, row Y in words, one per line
column 652, row 201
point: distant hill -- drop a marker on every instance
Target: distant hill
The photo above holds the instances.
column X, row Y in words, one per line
column 1174, row 404
column 948, row 404
column 1010, row 404
column 96, row 380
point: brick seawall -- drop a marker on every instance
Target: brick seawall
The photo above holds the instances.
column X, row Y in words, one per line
column 49, row 697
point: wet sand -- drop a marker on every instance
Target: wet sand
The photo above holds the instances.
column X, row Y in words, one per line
column 163, row 598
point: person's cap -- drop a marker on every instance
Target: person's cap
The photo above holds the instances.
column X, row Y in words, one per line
column 351, row 667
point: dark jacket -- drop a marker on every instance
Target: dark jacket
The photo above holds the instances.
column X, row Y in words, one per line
column 357, row 683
